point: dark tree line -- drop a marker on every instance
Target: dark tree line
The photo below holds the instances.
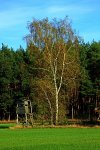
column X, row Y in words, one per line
column 26, row 74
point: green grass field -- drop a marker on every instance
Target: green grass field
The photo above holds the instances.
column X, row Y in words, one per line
column 50, row 139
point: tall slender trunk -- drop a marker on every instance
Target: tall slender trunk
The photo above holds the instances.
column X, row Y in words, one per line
column 57, row 112
column 17, row 119
column 89, row 109
column 72, row 112
column 50, row 107
column 9, row 116
column 51, row 112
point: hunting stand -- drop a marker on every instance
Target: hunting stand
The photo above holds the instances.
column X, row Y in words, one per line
column 24, row 112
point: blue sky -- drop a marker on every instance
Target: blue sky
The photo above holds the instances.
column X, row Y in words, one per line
column 15, row 14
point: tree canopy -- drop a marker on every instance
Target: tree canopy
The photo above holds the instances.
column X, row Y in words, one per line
column 57, row 72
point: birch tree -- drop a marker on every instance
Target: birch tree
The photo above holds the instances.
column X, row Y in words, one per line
column 59, row 47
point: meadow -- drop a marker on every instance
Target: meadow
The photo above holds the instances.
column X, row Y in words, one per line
column 50, row 139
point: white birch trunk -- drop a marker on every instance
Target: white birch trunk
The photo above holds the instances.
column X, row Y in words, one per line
column 50, row 106
column 57, row 112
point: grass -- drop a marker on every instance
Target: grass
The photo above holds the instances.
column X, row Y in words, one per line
column 50, row 139
column 6, row 125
